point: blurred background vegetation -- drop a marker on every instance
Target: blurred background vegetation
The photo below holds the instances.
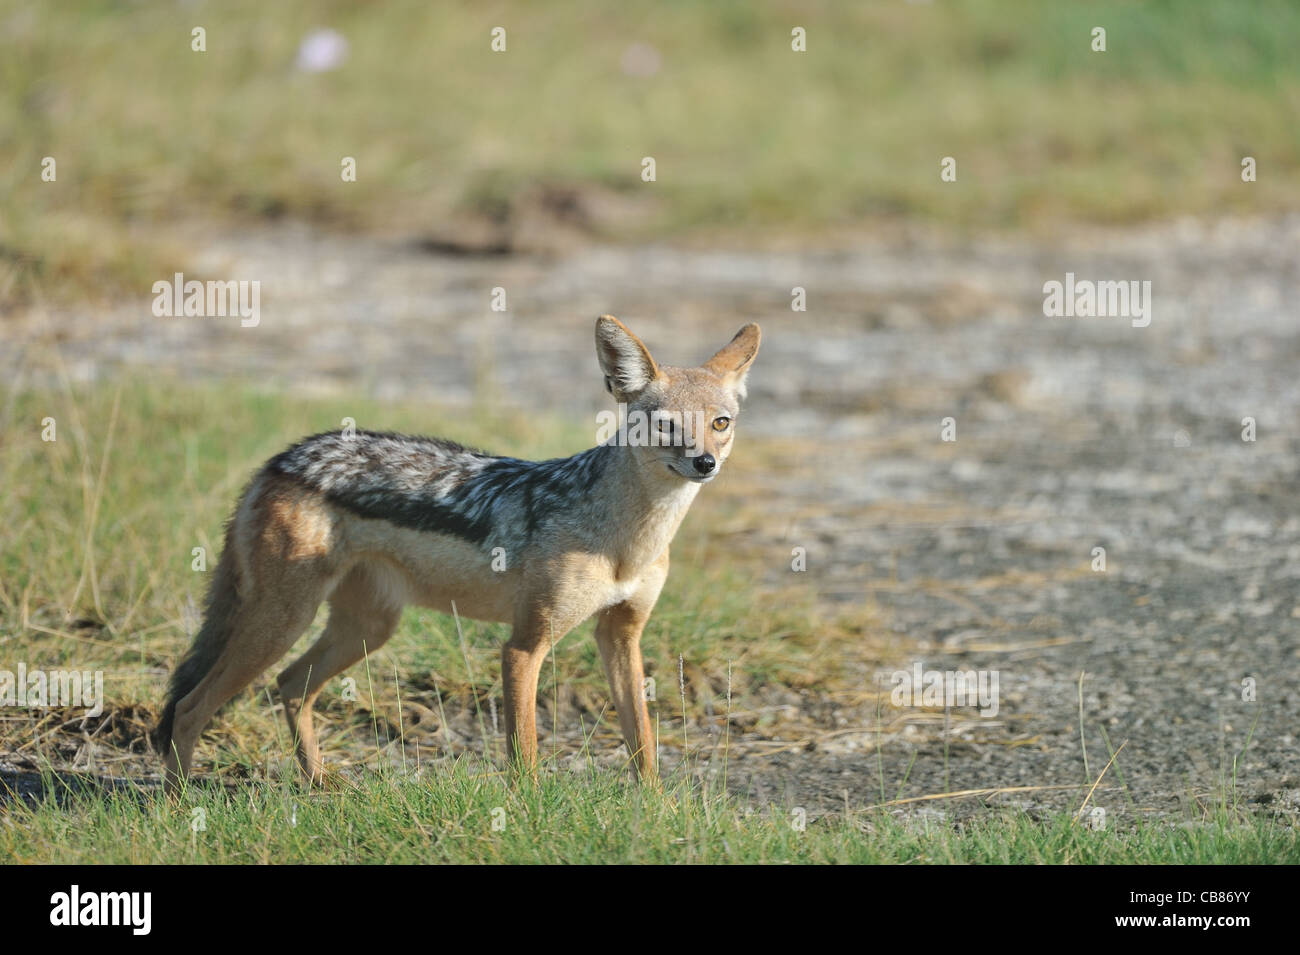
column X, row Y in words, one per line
column 751, row 139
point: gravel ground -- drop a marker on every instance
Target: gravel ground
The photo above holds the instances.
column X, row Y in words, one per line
column 975, row 554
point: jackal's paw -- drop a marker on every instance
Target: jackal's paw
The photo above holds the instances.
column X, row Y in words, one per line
column 330, row 778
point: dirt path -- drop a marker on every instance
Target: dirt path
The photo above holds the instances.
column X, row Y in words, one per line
column 1071, row 434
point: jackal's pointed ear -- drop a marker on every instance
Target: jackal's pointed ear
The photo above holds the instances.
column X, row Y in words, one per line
column 623, row 358
column 732, row 361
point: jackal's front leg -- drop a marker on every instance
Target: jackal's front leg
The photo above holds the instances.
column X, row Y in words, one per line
column 521, row 664
column 618, row 634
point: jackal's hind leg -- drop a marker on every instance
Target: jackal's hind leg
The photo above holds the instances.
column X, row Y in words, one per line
column 361, row 620
column 261, row 631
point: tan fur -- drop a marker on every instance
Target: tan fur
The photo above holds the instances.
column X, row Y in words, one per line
column 289, row 549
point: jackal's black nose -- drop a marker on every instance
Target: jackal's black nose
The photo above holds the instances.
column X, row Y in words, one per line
column 704, row 463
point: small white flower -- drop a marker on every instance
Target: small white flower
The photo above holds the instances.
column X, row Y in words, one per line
column 322, row 50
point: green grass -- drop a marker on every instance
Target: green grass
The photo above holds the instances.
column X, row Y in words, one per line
column 449, row 816
column 748, row 135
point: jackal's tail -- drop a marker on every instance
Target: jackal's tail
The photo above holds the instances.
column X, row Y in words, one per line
column 218, row 624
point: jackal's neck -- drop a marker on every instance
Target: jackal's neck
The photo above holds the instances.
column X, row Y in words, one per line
column 643, row 509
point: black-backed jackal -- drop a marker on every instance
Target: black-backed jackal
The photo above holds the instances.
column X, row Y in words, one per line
column 371, row 522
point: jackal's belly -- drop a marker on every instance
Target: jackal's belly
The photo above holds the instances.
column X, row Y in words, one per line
column 439, row 570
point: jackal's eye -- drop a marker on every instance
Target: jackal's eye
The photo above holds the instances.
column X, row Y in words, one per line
column 721, row 424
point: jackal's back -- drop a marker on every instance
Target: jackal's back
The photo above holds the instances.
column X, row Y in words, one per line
column 431, row 484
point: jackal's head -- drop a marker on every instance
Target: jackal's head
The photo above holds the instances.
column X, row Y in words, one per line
column 681, row 420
